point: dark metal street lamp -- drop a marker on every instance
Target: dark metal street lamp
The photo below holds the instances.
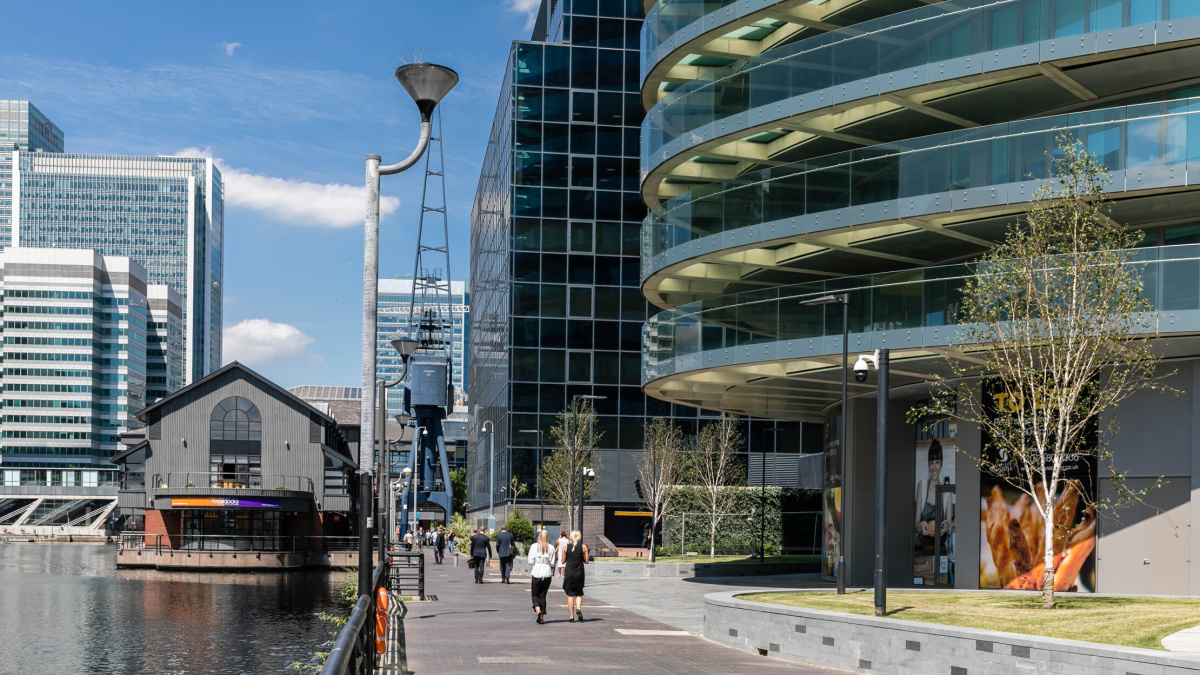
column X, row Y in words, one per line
column 541, row 501
column 843, row 450
column 575, row 414
column 880, row 360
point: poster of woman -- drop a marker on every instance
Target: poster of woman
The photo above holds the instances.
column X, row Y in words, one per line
column 933, row 503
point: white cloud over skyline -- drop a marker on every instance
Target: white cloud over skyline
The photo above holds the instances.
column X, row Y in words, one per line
column 294, row 201
column 230, row 47
column 254, row 342
column 527, row 7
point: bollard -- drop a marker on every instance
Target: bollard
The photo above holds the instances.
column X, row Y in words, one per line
column 456, row 560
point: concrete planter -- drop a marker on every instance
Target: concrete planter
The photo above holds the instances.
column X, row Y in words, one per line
column 599, row 569
column 868, row 643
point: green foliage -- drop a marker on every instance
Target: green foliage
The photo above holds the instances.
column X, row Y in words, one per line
column 522, row 530
column 460, row 527
column 348, row 594
column 458, row 492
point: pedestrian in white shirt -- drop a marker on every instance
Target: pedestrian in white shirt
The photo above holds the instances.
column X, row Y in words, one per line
column 559, row 550
column 541, row 561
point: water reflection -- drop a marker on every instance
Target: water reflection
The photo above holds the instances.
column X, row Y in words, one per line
column 67, row 609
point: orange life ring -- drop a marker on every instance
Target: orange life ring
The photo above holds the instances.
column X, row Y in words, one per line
column 381, row 610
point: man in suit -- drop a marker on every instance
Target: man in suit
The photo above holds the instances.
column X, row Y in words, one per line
column 439, row 545
column 481, row 550
column 506, row 549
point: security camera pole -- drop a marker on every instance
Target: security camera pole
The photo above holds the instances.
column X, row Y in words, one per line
column 880, row 360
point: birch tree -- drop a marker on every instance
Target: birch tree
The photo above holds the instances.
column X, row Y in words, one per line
column 1059, row 308
column 660, row 470
column 575, row 438
column 715, row 468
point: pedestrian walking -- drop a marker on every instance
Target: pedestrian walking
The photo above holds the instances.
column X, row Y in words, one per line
column 506, row 550
column 452, row 541
column 576, row 557
column 481, row 550
column 560, row 548
column 541, row 563
column 439, row 546
column 408, row 540
column 420, row 538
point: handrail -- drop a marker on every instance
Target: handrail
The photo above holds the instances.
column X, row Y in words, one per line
column 354, row 650
column 235, row 480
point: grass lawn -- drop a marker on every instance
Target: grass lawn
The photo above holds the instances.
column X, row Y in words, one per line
column 718, row 559
column 1131, row 622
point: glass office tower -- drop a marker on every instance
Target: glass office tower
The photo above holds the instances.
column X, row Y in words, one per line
column 556, row 235
column 75, row 351
column 165, row 213
column 22, row 127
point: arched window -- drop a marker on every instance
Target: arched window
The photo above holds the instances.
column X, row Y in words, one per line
column 235, row 442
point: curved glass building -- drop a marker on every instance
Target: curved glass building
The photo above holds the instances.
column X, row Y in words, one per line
column 875, row 148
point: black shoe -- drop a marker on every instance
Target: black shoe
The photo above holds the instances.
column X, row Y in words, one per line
column 579, row 615
column 540, row 618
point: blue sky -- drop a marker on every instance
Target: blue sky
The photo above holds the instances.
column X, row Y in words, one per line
column 289, row 97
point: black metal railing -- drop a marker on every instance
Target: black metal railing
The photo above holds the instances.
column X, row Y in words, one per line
column 232, row 481
column 235, row 542
column 407, row 574
column 354, row 652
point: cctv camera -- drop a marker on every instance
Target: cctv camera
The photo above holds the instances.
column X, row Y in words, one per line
column 860, row 369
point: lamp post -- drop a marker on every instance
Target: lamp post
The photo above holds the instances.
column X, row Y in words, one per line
column 762, row 520
column 426, row 84
column 541, row 501
column 584, row 472
column 491, row 429
column 880, row 360
column 405, row 347
column 844, row 299
column 574, row 451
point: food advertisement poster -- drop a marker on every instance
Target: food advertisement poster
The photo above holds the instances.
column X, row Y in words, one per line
column 933, row 501
column 832, row 499
column 1011, row 528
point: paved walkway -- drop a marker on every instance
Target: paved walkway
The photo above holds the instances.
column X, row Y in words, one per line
column 490, row 627
column 680, row 602
column 1186, row 641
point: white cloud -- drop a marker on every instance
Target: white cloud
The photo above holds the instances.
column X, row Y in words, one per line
column 294, row 201
column 230, row 47
column 527, row 7
column 254, row 342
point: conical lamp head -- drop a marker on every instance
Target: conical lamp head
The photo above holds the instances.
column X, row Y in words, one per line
column 426, row 83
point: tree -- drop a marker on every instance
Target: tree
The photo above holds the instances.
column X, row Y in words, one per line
column 1059, row 305
column 574, row 437
column 458, row 491
column 660, row 468
column 715, row 466
column 515, row 489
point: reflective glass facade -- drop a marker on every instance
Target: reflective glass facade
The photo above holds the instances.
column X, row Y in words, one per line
column 22, row 127
column 556, row 238
column 166, row 213
column 76, row 336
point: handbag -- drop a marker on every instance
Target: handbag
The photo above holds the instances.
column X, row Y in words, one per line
column 470, row 563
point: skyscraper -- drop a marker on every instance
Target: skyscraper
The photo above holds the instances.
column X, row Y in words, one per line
column 76, row 329
column 22, row 127
column 556, row 235
column 165, row 213
column 395, row 317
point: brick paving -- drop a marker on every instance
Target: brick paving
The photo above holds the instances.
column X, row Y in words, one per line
column 490, row 627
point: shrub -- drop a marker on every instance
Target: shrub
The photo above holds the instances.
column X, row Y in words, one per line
column 522, row 530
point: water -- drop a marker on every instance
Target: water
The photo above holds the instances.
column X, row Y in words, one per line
column 66, row 608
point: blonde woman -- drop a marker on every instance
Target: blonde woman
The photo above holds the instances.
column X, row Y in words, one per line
column 541, row 560
column 574, row 558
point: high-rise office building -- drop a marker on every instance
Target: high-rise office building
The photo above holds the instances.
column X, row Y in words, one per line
column 22, row 127
column 165, row 213
column 395, row 313
column 876, row 161
column 76, row 330
column 556, row 235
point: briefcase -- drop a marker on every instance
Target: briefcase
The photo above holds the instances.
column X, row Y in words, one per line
column 470, row 563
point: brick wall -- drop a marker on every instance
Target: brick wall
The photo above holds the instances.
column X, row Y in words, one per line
column 161, row 522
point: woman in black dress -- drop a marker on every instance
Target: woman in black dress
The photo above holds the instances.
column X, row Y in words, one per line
column 575, row 556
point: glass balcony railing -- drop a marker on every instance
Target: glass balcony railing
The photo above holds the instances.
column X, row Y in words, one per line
column 668, row 17
column 914, row 299
column 898, row 42
column 1160, row 140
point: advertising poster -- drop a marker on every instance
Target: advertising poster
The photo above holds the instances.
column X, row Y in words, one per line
column 933, row 501
column 832, row 500
column 1012, row 530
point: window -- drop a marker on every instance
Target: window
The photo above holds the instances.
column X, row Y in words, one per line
column 235, row 444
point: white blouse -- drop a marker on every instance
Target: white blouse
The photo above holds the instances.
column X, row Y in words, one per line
column 541, row 562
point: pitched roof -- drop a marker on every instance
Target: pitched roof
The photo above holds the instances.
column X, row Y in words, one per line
column 264, row 382
column 120, row 456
